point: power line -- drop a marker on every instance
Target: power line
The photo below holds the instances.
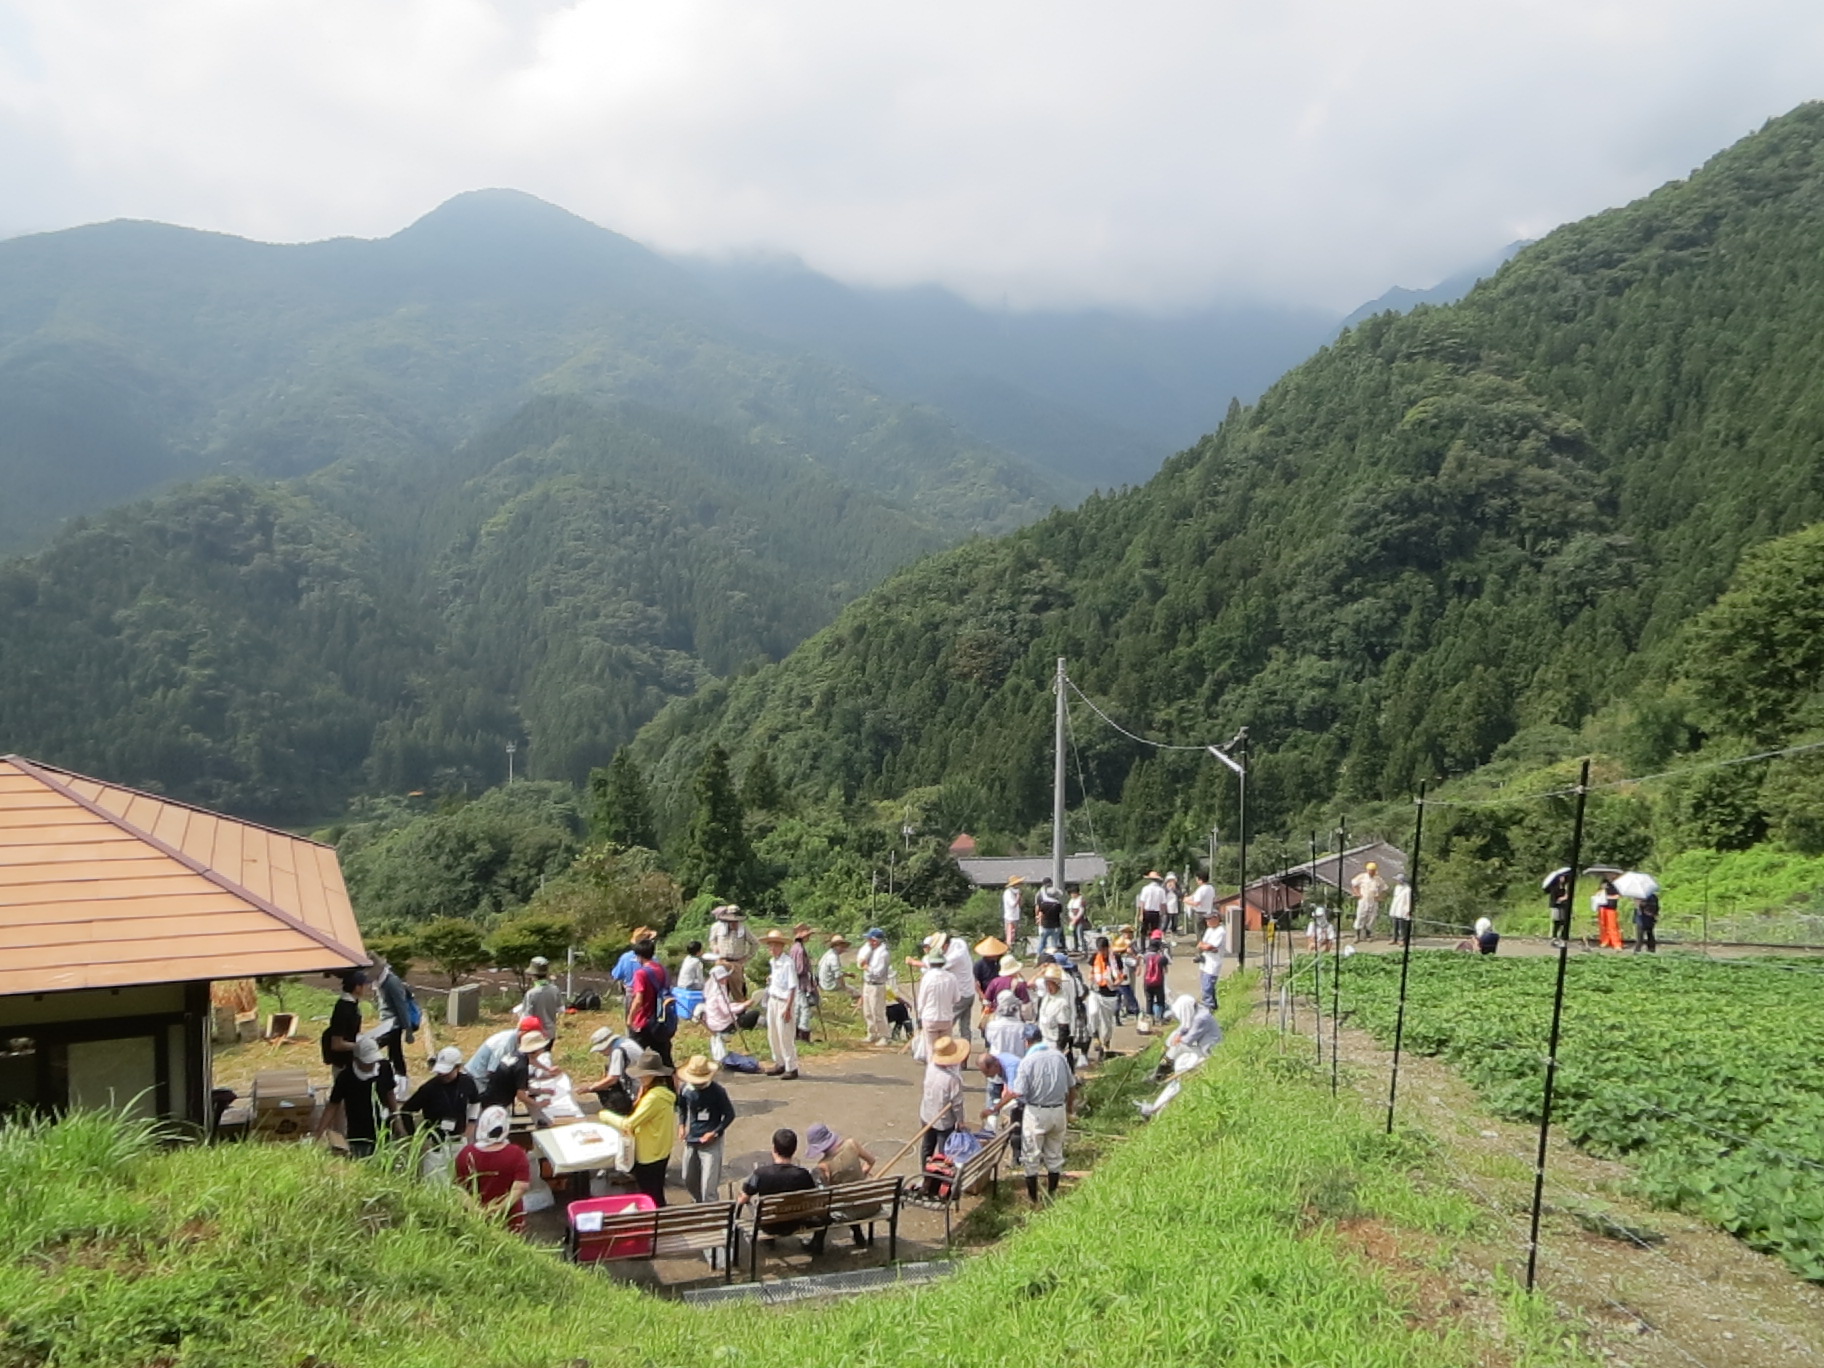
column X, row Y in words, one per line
column 1131, row 736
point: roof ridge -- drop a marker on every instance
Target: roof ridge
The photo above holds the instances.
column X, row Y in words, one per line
column 196, row 866
column 40, row 768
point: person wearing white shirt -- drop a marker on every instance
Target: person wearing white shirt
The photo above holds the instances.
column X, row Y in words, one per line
column 876, row 965
column 962, row 969
column 1010, row 912
column 1078, row 913
column 936, row 998
column 781, row 1006
column 1203, row 899
column 1150, row 904
column 1210, row 948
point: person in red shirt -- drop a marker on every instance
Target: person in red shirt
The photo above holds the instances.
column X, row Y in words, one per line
column 651, row 1020
column 497, row 1174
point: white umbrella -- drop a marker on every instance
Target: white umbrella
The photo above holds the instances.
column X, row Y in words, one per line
column 1634, row 884
column 1552, row 878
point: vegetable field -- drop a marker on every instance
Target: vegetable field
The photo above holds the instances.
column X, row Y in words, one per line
column 1704, row 1074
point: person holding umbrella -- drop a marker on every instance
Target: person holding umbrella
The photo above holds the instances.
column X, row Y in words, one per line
column 1557, row 886
column 1606, row 903
column 1644, row 890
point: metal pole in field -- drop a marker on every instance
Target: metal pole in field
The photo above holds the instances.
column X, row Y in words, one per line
column 1551, row 1049
column 1241, row 944
column 1336, row 972
column 1412, row 907
column 1057, row 788
column 1317, row 970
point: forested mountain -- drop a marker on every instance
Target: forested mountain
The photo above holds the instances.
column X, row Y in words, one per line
column 136, row 354
column 1449, row 290
column 1446, row 531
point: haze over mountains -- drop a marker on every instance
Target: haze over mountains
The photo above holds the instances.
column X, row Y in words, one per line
column 503, row 475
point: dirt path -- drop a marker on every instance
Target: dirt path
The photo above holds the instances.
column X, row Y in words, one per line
column 1655, row 1289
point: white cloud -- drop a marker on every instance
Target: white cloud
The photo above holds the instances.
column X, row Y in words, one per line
column 1051, row 151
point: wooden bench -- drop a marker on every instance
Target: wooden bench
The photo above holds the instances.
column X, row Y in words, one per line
column 983, row 1169
column 868, row 1202
column 661, row 1234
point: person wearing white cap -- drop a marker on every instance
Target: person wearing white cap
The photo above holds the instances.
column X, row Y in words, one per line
column 446, row 1103
column 781, row 1006
column 876, row 964
column 1173, row 905
column 361, row 1099
column 543, row 1000
column 510, row 1080
column 494, row 1172
column 936, row 995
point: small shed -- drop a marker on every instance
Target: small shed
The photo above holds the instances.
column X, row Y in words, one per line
column 993, row 871
column 117, row 909
column 1265, row 897
column 1390, row 858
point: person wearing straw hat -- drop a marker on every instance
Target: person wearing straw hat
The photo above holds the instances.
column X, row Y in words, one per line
column 1149, row 903
column 1369, row 888
column 875, row 961
column 734, row 945
column 651, row 1126
column 1010, row 911
column 704, row 1116
column 832, row 975
column 781, row 1006
column 809, row 999
column 495, row 1173
column 1057, row 1009
column 835, row 1160
column 1007, row 980
column 445, row 1104
column 988, row 952
column 941, row 1108
column 935, row 998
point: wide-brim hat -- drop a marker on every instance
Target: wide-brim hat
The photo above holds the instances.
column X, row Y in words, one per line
column 728, row 912
column 641, row 933
column 1051, row 973
column 1153, row 874
column 1122, row 943
column 948, row 1050
column 1016, row 881
column 839, row 941
column 776, row 936
column 937, row 940
column 1010, row 965
column 650, row 1064
column 697, row 1071
column 803, row 929
column 991, row 946
column 531, row 1042
column 602, row 1041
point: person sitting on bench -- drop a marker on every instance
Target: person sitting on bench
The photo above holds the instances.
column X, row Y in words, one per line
column 782, row 1175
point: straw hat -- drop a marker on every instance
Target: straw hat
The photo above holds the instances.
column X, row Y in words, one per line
column 1009, row 965
column 531, row 1042
column 649, row 1065
column 728, row 912
column 1051, row 974
column 697, row 1072
column 1122, row 943
column 937, row 940
column 776, row 937
column 839, row 941
column 991, row 947
column 948, row 1050
column 641, row 933
column 1152, row 874
column 801, row 930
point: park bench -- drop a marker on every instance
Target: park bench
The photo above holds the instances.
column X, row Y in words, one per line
column 661, row 1234
column 982, row 1169
column 868, row 1202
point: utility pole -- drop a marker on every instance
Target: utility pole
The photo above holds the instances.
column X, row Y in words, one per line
column 1239, row 745
column 511, row 747
column 1057, row 788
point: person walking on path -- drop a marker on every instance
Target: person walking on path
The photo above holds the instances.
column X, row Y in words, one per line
column 1077, row 912
column 1558, row 901
column 1173, row 906
column 495, row 1173
column 652, row 1017
column 1399, row 908
column 1048, row 908
column 1153, row 968
column 1606, row 903
column 1369, row 888
column 1210, row 949
column 1010, row 912
column 704, row 1116
column 1046, row 1085
column 834, row 1161
column 395, row 1028
column 781, row 1006
column 1149, row 905
column 1646, row 921
column 876, row 964
column 734, row 945
column 808, row 996
column 941, row 1108
column 962, row 969
column 651, row 1126
column 935, row 997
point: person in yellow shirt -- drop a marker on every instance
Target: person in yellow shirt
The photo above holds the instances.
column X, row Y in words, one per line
column 652, row 1126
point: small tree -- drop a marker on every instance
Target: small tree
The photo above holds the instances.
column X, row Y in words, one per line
column 275, row 984
column 716, row 851
column 620, row 807
column 514, row 943
column 455, row 946
column 397, row 951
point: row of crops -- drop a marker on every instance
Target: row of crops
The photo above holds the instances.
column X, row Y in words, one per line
column 1703, row 1074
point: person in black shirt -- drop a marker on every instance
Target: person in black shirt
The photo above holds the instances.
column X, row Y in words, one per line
column 345, row 1022
column 447, row 1104
column 704, row 1115
column 361, row 1099
column 782, row 1175
column 510, row 1080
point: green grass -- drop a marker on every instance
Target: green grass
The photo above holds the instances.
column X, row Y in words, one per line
column 1218, row 1234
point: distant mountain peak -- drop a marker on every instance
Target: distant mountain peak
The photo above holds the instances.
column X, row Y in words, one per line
column 498, row 212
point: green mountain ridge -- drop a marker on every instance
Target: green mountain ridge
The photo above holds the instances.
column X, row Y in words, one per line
column 1445, row 530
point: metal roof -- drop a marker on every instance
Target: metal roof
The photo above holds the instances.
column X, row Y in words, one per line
column 1390, row 858
column 993, row 871
column 106, row 887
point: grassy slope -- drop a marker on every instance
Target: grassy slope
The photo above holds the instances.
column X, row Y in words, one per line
column 1206, row 1238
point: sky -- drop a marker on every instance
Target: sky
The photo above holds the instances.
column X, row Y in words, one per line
column 1037, row 153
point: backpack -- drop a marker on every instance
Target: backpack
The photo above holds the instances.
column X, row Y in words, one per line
column 1154, row 975
column 414, row 1014
column 587, row 1001
column 740, row 1063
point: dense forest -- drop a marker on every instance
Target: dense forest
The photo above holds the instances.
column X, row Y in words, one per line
column 1474, row 533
